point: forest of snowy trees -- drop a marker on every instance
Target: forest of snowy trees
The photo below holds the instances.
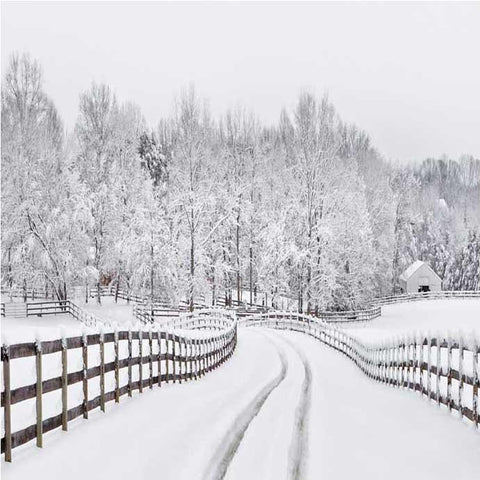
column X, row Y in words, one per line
column 306, row 209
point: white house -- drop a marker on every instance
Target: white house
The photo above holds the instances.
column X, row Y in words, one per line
column 419, row 277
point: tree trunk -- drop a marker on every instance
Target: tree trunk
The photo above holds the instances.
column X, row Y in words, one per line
column 192, row 270
column 99, row 298
column 117, row 288
column 239, row 287
column 10, row 276
column 151, row 271
column 251, row 275
column 214, row 287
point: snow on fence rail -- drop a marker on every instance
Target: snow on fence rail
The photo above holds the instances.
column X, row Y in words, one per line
column 442, row 369
column 412, row 297
column 211, row 318
column 78, row 374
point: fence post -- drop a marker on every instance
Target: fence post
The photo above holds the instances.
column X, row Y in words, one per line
column 475, row 352
column 384, row 358
column 190, row 344
column 207, row 353
column 402, row 361
column 180, row 362
column 117, row 369
column 174, row 358
column 159, row 358
column 202, row 358
column 7, row 413
column 460, row 375
column 413, row 363
column 85, row 375
column 102, row 372
column 140, row 361
column 392, row 364
column 167, row 338
column 187, row 359
column 214, row 353
column 39, row 392
column 129, row 362
column 64, row 385
column 197, row 361
column 449, row 373
column 150, row 360
column 439, row 370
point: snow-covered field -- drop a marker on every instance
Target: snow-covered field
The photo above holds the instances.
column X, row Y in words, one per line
column 453, row 316
column 19, row 330
column 284, row 406
column 120, row 312
column 283, row 403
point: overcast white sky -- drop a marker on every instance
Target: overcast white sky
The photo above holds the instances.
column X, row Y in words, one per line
column 409, row 74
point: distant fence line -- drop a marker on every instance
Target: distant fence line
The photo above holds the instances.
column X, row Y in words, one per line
column 364, row 315
column 26, row 294
column 147, row 312
column 412, row 297
column 444, row 370
column 160, row 356
column 31, row 309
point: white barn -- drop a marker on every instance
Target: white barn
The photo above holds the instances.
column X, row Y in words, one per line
column 419, row 277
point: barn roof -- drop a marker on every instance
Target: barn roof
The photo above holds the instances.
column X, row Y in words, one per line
column 413, row 268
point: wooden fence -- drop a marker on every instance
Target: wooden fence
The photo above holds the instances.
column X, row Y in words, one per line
column 444, row 370
column 158, row 313
column 124, row 360
column 351, row 316
column 26, row 294
column 413, row 297
column 31, row 309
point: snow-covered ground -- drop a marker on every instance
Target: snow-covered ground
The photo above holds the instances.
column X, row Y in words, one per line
column 444, row 316
column 27, row 329
column 284, row 403
column 20, row 330
column 120, row 312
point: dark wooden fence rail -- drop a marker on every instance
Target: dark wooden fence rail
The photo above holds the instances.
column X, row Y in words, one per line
column 63, row 307
column 164, row 356
column 444, row 370
column 351, row 316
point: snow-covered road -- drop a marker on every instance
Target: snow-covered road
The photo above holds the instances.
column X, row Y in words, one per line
column 284, row 406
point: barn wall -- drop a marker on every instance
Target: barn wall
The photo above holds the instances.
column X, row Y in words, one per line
column 414, row 281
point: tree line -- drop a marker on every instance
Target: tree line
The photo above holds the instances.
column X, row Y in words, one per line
column 306, row 210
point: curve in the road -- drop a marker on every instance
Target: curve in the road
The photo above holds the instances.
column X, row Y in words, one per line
column 230, row 443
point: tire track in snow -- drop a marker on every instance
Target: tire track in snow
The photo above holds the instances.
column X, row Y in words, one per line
column 230, row 443
column 298, row 452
